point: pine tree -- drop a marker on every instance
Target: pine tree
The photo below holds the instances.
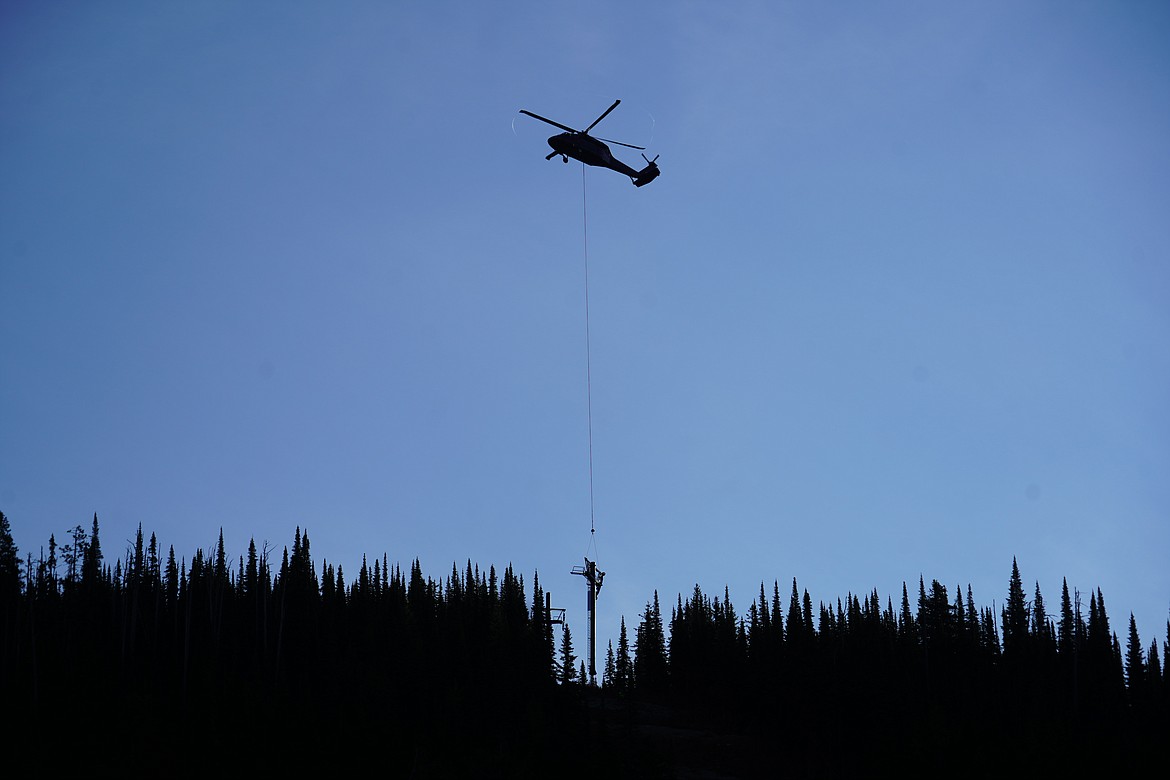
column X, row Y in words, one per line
column 907, row 628
column 251, row 572
column 777, row 615
column 91, row 564
column 220, row 560
column 607, row 676
column 9, row 565
column 137, row 563
column 568, row 669
column 1164, row 687
column 623, row 668
column 171, row 580
column 650, row 660
column 934, row 615
column 972, row 625
column 809, row 630
column 51, row 587
column 74, row 553
column 1066, row 630
column 1154, row 680
column 1135, row 666
column 1040, row 626
column 1015, row 615
column 541, row 624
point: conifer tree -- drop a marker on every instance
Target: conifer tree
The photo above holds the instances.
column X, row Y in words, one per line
column 1015, row 615
column 73, row 554
column 777, row 614
column 251, row 571
column 541, row 625
column 137, row 562
column 607, row 675
column 1154, row 680
column 568, row 669
column 907, row 629
column 1040, row 626
column 809, row 629
column 171, row 579
column 650, row 660
column 763, row 614
column 934, row 615
column 51, row 586
column 1135, row 666
column 91, row 562
column 1066, row 630
column 220, row 560
column 623, row 668
column 972, row 625
column 9, row 565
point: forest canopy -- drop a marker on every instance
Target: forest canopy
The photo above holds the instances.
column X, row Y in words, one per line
column 270, row 648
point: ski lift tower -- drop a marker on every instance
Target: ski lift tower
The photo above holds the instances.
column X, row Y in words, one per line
column 593, row 579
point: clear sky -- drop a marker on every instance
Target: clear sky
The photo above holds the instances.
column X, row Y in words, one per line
column 899, row 304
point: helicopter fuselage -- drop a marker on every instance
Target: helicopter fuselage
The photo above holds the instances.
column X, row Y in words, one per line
column 581, row 146
column 587, row 149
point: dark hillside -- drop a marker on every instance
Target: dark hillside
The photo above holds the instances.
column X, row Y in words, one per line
column 204, row 664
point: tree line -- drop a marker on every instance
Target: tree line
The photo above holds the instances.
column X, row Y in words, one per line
column 459, row 673
column 930, row 683
column 269, row 648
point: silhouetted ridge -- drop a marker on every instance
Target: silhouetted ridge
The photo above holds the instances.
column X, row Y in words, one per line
column 272, row 661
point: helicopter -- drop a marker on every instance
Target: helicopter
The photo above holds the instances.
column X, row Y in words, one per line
column 579, row 145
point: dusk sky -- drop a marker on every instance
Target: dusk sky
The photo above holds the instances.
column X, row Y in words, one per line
column 898, row 305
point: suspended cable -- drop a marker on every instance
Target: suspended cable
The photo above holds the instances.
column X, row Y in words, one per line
column 588, row 355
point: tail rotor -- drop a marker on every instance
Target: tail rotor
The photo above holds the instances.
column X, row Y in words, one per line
column 649, row 173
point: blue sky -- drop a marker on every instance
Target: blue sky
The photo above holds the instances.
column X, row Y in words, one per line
column 898, row 304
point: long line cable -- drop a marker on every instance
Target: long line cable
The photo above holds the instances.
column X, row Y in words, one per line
column 588, row 354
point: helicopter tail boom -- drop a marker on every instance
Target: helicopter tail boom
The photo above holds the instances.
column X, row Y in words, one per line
column 647, row 174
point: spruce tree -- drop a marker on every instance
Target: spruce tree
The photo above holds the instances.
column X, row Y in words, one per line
column 568, row 668
column 52, row 587
column 1154, row 672
column 1066, row 630
column 1015, row 615
column 91, row 562
column 650, row 660
column 541, row 626
column 251, row 572
column 907, row 628
column 934, row 615
column 74, row 553
column 1040, row 627
column 623, row 668
column 777, row 614
column 795, row 620
column 972, row 625
column 809, row 629
column 1135, row 666
column 9, row 565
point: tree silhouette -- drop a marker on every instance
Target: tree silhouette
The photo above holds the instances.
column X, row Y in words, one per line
column 568, row 669
column 623, row 677
column 458, row 673
column 650, row 660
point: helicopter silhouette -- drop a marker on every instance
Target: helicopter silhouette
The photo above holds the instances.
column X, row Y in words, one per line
column 579, row 145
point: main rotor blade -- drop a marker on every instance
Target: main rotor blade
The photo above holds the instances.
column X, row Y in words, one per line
column 543, row 119
column 619, row 143
column 603, row 116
